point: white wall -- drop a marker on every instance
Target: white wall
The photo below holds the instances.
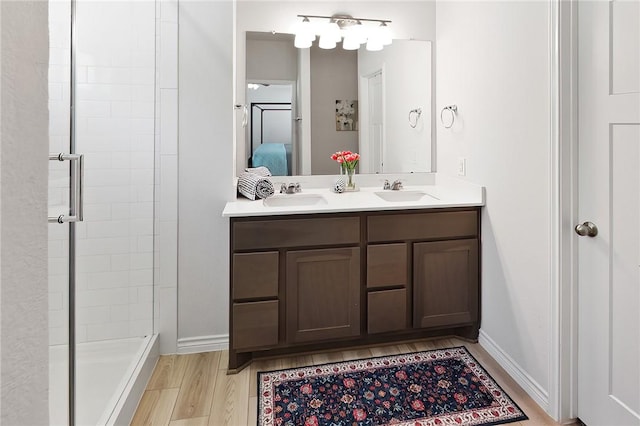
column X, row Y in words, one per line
column 206, row 170
column 115, row 112
column 493, row 62
column 24, row 375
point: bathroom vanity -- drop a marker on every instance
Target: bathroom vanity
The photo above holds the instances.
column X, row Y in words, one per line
column 332, row 274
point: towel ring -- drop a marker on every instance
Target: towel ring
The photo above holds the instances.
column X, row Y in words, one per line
column 245, row 116
column 453, row 109
column 418, row 113
column 245, row 113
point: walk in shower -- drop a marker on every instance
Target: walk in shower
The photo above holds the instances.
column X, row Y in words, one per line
column 102, row 103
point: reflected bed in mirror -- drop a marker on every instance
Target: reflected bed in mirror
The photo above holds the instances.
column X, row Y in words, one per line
column 270, row 127
column 296, row 102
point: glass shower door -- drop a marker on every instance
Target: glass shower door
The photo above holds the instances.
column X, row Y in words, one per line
column 102, row 62
column 115, row 130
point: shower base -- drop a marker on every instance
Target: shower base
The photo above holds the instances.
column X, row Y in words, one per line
column 110, row 378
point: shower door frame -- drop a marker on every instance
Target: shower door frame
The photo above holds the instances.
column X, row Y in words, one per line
column 75, row 201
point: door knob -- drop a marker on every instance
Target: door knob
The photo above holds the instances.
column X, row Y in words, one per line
column 587, row 228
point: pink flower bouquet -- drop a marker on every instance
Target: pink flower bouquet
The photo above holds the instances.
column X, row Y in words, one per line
column 348, row 161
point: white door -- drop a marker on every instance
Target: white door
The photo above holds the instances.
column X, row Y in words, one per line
column 376, row 128
column 609, row 197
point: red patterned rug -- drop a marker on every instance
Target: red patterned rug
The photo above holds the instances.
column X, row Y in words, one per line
column 432, row 388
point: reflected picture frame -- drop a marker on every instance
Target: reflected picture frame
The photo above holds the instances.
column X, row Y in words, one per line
column 346, row 115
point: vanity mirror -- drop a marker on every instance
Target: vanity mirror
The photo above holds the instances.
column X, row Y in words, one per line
column 301, row 105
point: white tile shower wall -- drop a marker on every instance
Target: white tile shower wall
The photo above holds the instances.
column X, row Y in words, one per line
column 115, row 130
column 166, row 190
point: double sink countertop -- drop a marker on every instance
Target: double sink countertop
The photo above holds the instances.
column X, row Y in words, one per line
column 420, row 191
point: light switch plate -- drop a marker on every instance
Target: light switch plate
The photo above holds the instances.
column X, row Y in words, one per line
column 462, row 166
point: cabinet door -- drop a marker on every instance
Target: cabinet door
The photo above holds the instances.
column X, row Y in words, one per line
column 445, row 283
column 322, row 294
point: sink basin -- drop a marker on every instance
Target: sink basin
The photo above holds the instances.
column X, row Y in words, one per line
column 294, row 200
column 402, row 195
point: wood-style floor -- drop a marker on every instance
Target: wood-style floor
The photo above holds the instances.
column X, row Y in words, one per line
column 196, row 390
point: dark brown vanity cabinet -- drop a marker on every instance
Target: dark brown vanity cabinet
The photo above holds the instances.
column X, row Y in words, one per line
column 311, row 282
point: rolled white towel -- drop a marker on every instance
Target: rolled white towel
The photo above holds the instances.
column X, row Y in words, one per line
column 254, row 186
column 260, row 171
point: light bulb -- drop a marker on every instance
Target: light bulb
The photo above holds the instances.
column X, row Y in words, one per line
column 327, row 42
column 350, row 43
column 384, row 34
column 302, row 42
column 331, row 31
column 359, row 32
column 305, row 34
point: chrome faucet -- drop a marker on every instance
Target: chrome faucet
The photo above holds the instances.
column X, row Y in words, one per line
column 396, row 185
column 292, row 188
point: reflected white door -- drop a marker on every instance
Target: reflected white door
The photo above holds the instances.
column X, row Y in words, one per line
column 609, row 196
column 376, row 128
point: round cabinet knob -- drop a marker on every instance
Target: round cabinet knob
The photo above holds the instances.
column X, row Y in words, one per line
column 588, row 229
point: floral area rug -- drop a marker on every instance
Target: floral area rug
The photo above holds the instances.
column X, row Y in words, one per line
column 440, row 387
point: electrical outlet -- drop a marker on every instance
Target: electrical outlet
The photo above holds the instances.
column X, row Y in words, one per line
column 462, row 166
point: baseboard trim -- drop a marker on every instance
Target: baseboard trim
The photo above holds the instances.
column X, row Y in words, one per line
column 192, row 345
column 528, row 384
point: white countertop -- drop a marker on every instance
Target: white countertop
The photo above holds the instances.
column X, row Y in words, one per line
column 439, row 192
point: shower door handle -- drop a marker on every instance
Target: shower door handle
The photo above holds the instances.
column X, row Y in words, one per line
column 76, row 193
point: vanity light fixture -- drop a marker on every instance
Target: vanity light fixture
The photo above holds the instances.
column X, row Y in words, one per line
column 353, row 32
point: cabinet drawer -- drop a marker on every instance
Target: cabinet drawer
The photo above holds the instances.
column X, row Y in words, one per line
column 422, row 226
column 386, row 311
column 258, row 234
column 255, row 325
column 386, row 265
column 255, row 275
